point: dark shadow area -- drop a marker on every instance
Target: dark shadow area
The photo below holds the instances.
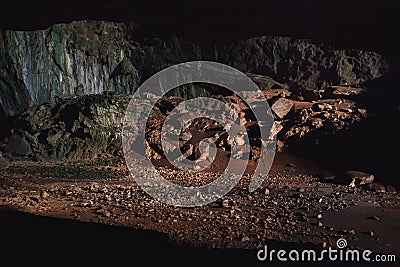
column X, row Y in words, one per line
column 371, row 145
column 28, row 240
column 5, row 123
column 370, row 25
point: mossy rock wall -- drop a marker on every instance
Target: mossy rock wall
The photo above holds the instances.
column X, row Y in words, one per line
column 90, row 57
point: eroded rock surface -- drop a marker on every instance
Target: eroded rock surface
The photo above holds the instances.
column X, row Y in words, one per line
column 92, row 57
column 91, row 126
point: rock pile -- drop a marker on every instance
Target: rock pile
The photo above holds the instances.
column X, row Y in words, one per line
column 89, row 126
column 70, row 128
column 2, row 159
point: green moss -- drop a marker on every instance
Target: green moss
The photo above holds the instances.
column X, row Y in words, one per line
column 127, row 67
column 2, row 45
column 92, row 37
column 59, row 53
column 54, row 80
column 79, row 90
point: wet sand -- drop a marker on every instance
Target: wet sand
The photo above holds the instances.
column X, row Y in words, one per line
column 366, row 218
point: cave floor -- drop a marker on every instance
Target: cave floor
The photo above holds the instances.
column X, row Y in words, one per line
column 289, row 207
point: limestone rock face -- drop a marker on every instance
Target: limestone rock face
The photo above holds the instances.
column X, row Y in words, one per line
column 90, row 57
column 64, row 60
column 72, row 128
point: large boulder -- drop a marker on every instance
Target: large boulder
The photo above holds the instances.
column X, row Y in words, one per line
column 72, row 128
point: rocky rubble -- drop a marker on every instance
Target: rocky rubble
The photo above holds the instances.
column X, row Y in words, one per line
column 288, row 207
column 70, row 70
column 358, row 178
column 2, row 159
column 83, row 127
column 90, row 126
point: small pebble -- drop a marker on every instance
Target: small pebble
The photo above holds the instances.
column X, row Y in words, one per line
column 374, row 218
column 44, row 194
column 245, row 239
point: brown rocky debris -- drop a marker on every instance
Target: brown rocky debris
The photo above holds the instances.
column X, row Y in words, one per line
column 281, row 107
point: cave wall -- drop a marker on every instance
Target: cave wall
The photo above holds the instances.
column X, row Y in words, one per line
column 66, row 59
column 91, row 57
